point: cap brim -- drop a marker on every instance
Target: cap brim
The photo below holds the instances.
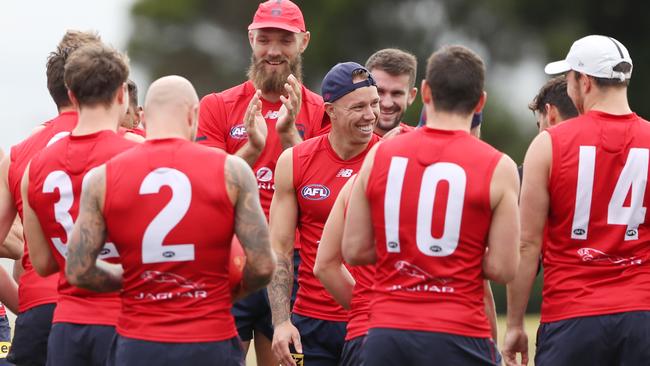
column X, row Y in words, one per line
column 277, row 25
column 557, row 67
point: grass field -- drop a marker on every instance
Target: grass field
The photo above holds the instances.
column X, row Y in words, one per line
column 532, row 322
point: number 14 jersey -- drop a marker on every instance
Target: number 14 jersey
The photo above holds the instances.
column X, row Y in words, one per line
column 429, row 194
column 597, row 245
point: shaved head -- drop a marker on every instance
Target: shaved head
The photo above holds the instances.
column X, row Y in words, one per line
column 169, row 103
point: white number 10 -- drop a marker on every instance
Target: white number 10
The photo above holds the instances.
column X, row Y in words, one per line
column 433, row 174
column 634, row 176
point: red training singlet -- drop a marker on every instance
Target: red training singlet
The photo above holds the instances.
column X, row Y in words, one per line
column 34, row 290
column 55, row 180
column 172, row 222
column 318, row 176
column 221, row 125
column 597, row 243
column 429, row 194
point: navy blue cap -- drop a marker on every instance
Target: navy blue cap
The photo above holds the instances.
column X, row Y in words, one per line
column 338, row 81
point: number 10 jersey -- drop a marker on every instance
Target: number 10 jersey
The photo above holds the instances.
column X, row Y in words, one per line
column 429, row 194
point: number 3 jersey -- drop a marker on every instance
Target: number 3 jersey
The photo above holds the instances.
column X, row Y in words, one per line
column 168, row 212
column 597, row 243
column 429, row 195
column 55, row 179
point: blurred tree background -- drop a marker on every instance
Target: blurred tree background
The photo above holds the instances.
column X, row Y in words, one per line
column 206, row 41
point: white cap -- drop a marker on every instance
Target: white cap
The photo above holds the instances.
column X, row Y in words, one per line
column 595, row 56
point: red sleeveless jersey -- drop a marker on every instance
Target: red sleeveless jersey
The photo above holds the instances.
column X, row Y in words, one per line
column 55, row 179
column 597, row 243
column 318, row 176
column 429, row 194
column 168, row 212
column 34, row 290
column 221, row 125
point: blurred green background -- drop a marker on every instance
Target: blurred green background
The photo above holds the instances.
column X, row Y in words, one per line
column 206, row 41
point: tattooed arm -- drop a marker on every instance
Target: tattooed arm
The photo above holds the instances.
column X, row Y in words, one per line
column 82, row 268
column 284, row 216
column 250, row 226
column 39, row 249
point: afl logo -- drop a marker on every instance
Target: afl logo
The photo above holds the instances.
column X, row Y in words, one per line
column 238, row 132
column 315, row 192
column 264, row 174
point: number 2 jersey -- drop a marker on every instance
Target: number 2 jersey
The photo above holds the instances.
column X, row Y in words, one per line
column 597, row 244
column 429, row 195
column 168, row 212
column 55, row 180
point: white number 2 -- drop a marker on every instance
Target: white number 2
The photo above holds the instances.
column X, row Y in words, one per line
column 153, row 250
column 634, row 177
column 433, row 174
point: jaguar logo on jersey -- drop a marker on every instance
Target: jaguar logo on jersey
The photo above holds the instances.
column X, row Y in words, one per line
column 264, row 174
column 238, row 132
column 315, row 192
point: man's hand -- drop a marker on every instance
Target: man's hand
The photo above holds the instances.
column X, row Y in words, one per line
column 290, row 106
column 284, row 334
column 255, row 123
column 516, row 341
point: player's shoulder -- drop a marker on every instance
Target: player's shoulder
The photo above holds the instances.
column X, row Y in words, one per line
column 232, row 94
column 310, row 147
column 311, row 98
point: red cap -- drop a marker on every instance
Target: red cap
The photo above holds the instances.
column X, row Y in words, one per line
column 282, row 14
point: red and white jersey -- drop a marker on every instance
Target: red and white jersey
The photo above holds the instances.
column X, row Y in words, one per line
column 56, row 175
column 429, row 194
column 172, row 222
column 34, row 290
column 596, row 249
column 221, row 125
column 318, row 176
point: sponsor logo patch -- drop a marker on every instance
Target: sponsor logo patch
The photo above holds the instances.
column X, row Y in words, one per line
column 264, row 174
column 315, row 192
column 4, row 349
column 238, row 132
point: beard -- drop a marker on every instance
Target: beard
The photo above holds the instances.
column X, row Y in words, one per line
column 390, row 124
column 273, row 81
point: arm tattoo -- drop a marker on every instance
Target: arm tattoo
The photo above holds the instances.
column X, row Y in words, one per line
column 83, row 269
column 280, row 289
column 250, row 225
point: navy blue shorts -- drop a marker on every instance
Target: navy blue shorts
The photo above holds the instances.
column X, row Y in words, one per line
column 397, row 347
column 322, row 340
column 5, row 340
column 134, row 352
column 353, row 352
column 253, row 313
column 79, row 344
column 296, row 266
column 32, row 329
column 614, row 339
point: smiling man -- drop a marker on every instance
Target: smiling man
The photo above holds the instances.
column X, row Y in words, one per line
column 260, row 118
column 309, row 177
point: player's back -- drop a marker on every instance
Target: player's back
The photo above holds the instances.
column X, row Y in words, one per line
column 35, row 290
column 429, row 192
column 596, row 247
column 56, row 175
column 169, row 214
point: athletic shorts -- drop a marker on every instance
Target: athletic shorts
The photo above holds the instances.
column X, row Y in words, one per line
column 615, row 339
column 5, row 340
column 134, row 352
column 253, row 313
column 32, row 329
column 353, row 352
column 296, row 266
column 322, row 340
column 396, row 347
column 79, row 344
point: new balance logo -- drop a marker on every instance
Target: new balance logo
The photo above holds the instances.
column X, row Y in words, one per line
column 345, row 173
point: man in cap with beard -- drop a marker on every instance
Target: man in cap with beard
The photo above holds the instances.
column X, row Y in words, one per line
column 257, row 120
